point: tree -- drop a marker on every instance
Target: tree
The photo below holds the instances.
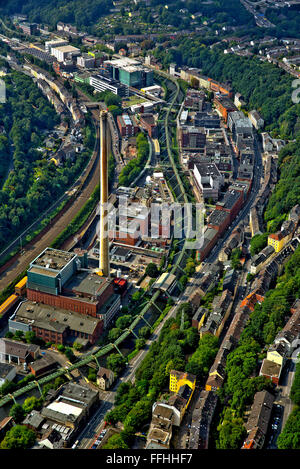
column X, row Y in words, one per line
column 7, row 387
column 31, row 403
column 123, row 321
column 144, row 332
column 115, row 110
column 114, row 333
column 139, row 343
column 257, row 243
column 137, row 295
column 111, row 99
column 116, row 363
column 289, row 438
column 116, row 442
column 17, row 413
column 139, row 414
column 19, row 335
column 201, row 360
column 235, row 258
column 183, row 281
column 69, row 354
column 77, row 346
column 231, row 433
column 30, row 337
column 59, row 381
column 18, row 437
column 152, row 270
column 92, row 376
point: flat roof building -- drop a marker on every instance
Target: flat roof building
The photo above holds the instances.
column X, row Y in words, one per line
column 209, row 179
column 61, row 53
column 101, row 83
column 56, row 324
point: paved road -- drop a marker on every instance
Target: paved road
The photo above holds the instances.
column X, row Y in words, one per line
column 244, row 212
column 96, row 424
column 283, row 398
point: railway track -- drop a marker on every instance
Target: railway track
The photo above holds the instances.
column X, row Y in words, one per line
column 84, row 189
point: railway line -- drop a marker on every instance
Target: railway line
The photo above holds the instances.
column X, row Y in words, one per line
column 149, row 304
column 83, row 189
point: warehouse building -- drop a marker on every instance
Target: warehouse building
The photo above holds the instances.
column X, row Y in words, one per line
column 56, row 324
column 62, row 279
column 61, row 53
column 54, row 43
column 208, row 179
column 128, row 126
column 12, row 351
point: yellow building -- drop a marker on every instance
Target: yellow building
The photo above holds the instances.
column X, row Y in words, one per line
column 156, row 147
column 276, row 356
column 183, row 385
column 181, row 378
column 277, row 241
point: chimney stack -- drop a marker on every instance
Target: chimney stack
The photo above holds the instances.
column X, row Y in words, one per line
column 104, row 240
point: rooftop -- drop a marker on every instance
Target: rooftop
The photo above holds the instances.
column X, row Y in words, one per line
column 217, row 217
column 13, row 347
column 88, row 283
column 270, row 368
column 55, row 319
column 207, row 169
column 67, row 49
column 53, row 259
column 5, row 369
column 229, row 199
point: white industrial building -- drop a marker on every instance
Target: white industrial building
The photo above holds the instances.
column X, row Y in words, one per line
column 208, row 179
column 54, row 43
column 61, row 53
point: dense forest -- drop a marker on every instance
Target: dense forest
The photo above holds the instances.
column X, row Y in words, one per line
column 81, row 13
column 290, row 436
column 286, row 22
column 85, row 14
column 287, row 191
column 34, row 182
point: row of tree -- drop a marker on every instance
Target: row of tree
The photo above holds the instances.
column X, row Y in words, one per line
column 135, row 166
column 177, row 341
column 81, row 13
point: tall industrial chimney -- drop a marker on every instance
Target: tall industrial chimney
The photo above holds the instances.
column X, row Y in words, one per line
column 104, row 240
